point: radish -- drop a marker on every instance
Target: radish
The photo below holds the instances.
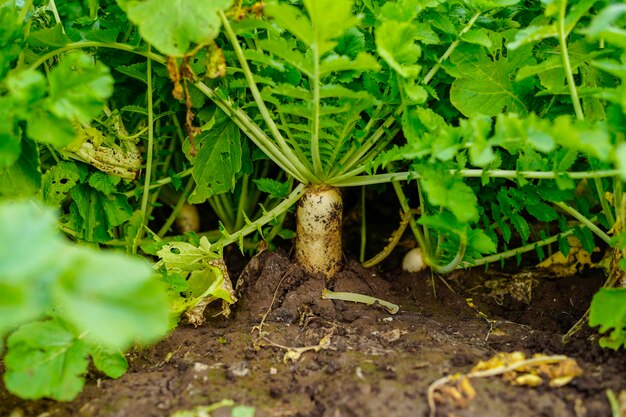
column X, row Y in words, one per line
column 413, row 261
column 318, row 230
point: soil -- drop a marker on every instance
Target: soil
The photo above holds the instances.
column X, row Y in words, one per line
column 360, row 360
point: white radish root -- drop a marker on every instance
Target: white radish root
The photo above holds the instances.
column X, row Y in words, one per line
column 413, row 261
column 318, row 231
column 188, row 219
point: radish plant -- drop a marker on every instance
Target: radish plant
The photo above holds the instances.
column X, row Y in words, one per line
column 498, row 123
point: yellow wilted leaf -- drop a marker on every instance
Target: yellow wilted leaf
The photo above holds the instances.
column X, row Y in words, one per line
column 499, row 360
column 530, row 380
column 561, row 266
column 459, row 393
column 560, row 381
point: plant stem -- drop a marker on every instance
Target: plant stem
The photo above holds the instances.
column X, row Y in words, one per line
column 285, row 149
column 243, row 199
column 253, row 131
column 355, row 158
column 456, row 261
column 161, row 182
column 422, row 210
column 566, row 62
column 393, row 241
column 404, row 204
column 222, row 214
column 450, row 49
column 608, row 213
column 53, row 8
column 146, row 186
column 266, row 218
column 517, row 251
column 584, row 220
column 423, row 241
column 468, row 173
column 359, row 298
column 176, row 209
column 94, row 44
column 614, row 403
column 315, row 131
column 24, row 11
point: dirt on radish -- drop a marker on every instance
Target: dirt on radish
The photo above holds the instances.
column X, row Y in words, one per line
column 314, row 357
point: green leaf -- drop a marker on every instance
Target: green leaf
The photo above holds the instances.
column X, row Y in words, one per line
column 446, row 190
column 282, row 48
column 541, row 141
column 291, row 19
column 396, row 44
column 28, row 264
column 23, row 178
column 550, row 70
column 483, row 86
column 10, row 38
column 204, row 271
column 351, row 43
column 329, row 20
column 399, row 11
column 54, row 36
column 274, row 188
column 104, row 183
column 106, row 298
column 592, row 140
column 478, row 37
column 334, row 63
column 45, row 127
column 78, row 87
column 179, row 257
column 339, row 91
column 521, row 226
column 136, row 71
column 27, row 86
column 112, row 362
column 480, row 242
column 603, row 25
column 77, row 90
column 532, row 34
column 217, row 161
column 45, row 359
column 542, row 212
column 475, row 131
column 113, row 296
column 58, row 181
column 171, row 26
column 10, row 142
column 586, row 238
column 608, row 310
column 99, row 213
column 445, row 222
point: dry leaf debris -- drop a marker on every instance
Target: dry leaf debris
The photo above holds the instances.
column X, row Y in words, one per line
column 515, row 367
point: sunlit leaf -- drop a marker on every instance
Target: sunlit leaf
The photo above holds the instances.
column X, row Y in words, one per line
column 114, row 296
column 608, row 310
column 45, row 359
column 171, row 26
